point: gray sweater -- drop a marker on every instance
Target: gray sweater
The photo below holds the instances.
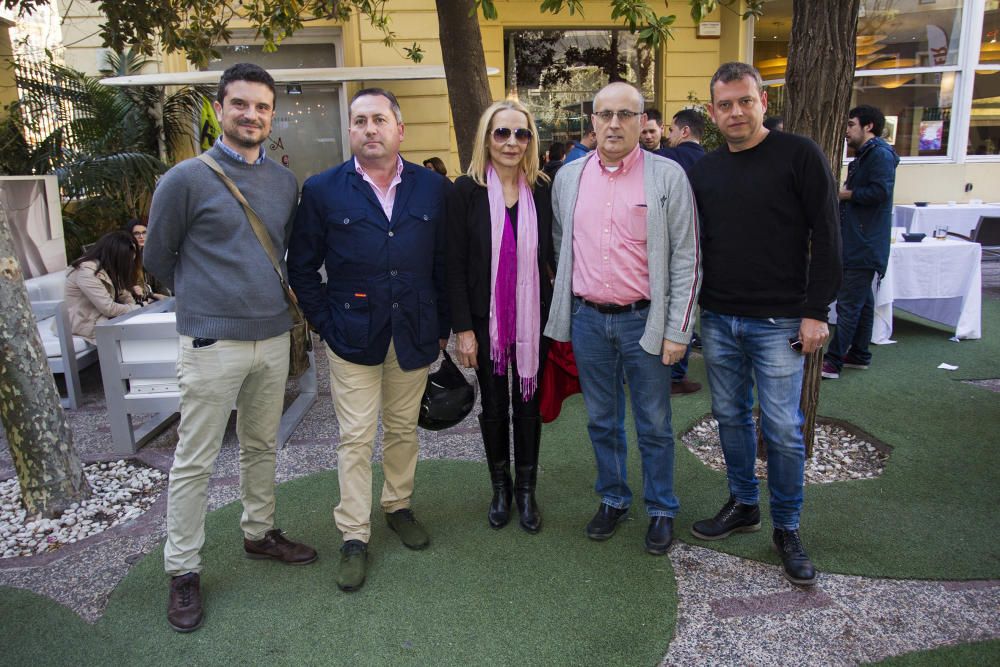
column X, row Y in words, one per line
column 671, row 246
column 201, row 245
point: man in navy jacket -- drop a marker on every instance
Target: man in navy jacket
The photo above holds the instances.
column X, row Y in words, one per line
column 865, row 225
column 378, row 224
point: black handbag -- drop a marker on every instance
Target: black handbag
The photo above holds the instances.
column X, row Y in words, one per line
column 448, row 397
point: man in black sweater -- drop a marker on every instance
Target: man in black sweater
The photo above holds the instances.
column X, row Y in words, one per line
column 767, row 205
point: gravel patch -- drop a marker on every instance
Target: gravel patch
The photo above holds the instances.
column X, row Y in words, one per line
column 122, row 491
column 838, row 454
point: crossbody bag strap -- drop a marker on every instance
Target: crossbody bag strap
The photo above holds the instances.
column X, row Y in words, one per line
column 258, row 229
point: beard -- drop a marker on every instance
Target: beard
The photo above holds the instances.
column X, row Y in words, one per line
column 232, row 133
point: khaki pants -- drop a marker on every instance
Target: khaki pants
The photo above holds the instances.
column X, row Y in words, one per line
column 251, row 375
column 358, row 392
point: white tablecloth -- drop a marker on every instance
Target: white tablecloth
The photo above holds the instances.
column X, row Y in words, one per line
column 960, row 218
column 937, row 280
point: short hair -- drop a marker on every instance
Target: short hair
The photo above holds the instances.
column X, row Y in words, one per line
column 244, row 72
column 380, row 92
column 654, row 114
column 869, row 115
column 692, row 120
column 557, row 150
column 734, row 71
column 773, row 122
column 529, row 165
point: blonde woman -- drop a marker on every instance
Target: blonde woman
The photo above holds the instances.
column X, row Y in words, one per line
column 500, row 263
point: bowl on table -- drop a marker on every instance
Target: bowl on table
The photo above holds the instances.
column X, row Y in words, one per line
column 921, row 204
column 913, row 237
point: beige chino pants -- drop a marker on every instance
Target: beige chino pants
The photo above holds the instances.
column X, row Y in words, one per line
column 358, row 392
column 251, row 375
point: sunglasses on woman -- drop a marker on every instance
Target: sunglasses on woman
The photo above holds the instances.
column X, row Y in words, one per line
column 502, row 134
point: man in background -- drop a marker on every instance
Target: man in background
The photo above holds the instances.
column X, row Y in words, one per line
column 580, row 148
column 865, row 226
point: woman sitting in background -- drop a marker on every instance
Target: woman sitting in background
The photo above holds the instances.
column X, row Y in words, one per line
column 500, row 259
column 147, row 287
column 99, row 284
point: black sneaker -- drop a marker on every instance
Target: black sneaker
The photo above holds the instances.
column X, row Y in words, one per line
column 734, row 517
column 798, row 568
column 605, row 522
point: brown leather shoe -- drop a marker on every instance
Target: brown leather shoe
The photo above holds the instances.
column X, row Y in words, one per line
column 276, row 547
column 684, row 386
column 184, row 610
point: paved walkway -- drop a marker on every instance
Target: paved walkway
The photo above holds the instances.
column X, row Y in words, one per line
column 731, row 610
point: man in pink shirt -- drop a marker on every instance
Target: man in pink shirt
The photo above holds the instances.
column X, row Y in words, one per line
column 626, row 239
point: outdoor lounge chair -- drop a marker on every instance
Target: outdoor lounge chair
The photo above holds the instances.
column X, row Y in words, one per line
column 986, row 234
column 67, row 354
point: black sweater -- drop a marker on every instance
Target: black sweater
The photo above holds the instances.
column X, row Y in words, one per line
column 769, row 229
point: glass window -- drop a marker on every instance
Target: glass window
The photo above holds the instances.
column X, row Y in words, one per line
column 989, row 48
column 305, row 133
column 893, row 34
column 556, row 73
column 984, row 117
column 984, row 122
column 917, row 108
column 770, row 40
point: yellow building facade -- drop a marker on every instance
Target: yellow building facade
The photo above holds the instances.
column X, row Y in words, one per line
column 682, row 67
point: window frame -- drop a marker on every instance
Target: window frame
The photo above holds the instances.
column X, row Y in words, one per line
column 973, row 12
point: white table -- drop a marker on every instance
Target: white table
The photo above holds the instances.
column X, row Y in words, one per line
column 960, row 218
column 937, row 280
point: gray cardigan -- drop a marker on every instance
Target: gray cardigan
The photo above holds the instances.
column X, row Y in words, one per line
column 672, row 247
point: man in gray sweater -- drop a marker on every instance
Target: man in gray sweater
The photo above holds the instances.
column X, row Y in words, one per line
column 629, row 271
column 233, row 321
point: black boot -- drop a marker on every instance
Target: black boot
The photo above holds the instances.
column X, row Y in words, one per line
column 527, row 436
column 496, row 440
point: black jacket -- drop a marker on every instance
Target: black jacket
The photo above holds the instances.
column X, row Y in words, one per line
column 469, row 251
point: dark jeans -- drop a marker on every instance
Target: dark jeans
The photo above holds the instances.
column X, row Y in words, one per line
column 855, row 318
column 499, row 393
column 679, row 370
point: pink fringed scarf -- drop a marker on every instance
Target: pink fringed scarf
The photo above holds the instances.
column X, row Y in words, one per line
column 527, row 329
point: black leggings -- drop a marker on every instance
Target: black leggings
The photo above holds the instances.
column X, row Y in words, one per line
column 495, row 390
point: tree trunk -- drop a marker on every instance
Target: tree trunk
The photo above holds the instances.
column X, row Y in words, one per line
column 465, row 69
column 820, row 73
column 819, row 79
column 41, row 444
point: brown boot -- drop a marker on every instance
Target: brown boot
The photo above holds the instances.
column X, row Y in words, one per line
column 276, row 546
column 184, row 610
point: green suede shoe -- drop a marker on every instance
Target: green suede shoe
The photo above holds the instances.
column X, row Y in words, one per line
column 353, row 565
column 409, row 530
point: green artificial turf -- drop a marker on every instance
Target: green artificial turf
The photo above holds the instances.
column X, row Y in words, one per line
column 979, row 653
column 932, row 514
column 475, row 596
column 484, row 597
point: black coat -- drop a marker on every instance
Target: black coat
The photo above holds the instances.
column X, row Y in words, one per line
column 469, row 252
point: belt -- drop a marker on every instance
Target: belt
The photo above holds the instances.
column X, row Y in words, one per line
column 614, row 309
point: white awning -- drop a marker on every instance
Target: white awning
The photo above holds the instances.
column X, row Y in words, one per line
column 285, row 76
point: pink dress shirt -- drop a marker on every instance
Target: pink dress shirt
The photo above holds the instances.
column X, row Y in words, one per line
column 609, row 232
column 388, row 198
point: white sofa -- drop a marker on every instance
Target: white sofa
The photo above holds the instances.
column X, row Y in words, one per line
column 67, row 354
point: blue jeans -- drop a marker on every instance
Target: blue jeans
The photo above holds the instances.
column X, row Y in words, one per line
column 855, row 318
column 740, row 351
column 607, row 351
